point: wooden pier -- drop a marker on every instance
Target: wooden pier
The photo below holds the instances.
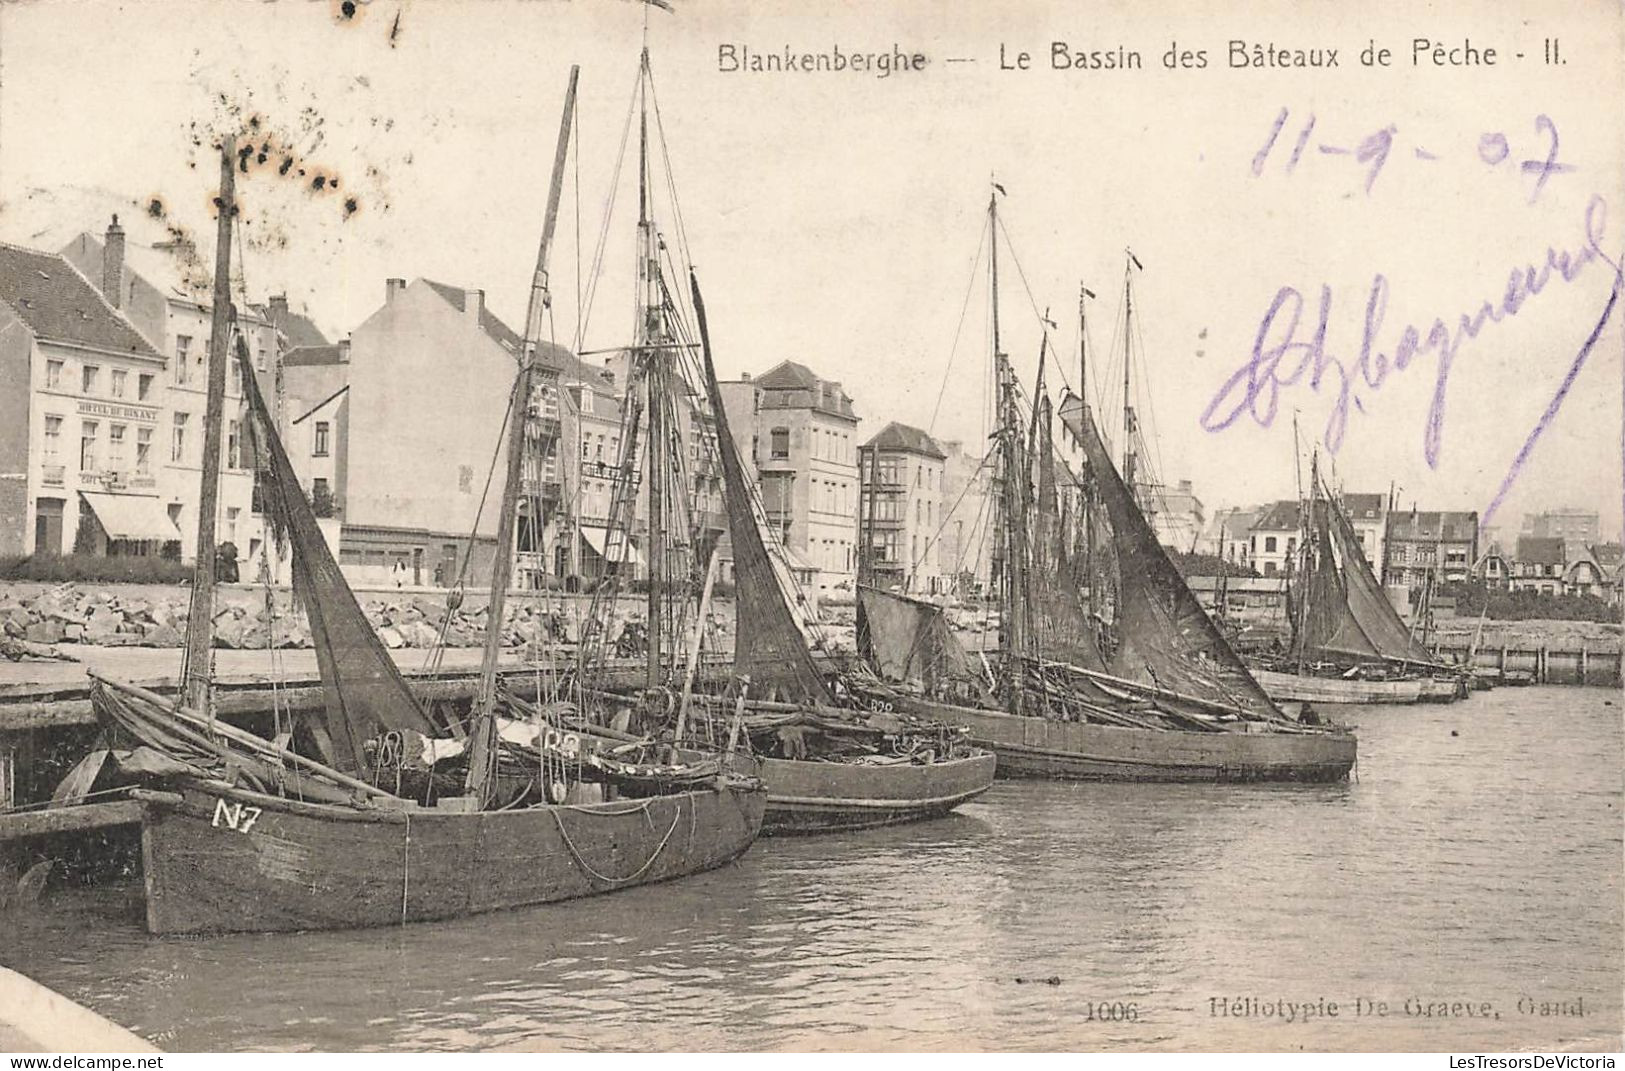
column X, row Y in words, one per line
column 1542, row 664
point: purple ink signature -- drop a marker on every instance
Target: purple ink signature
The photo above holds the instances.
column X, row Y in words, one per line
column 1280, row 359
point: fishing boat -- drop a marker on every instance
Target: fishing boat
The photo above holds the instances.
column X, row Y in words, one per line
column 1348, row 644
column 828, row 765
column 1107, row 667
column 373, row 814
column 825, row 763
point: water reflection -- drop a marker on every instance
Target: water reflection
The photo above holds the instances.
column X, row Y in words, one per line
column 1475, row 866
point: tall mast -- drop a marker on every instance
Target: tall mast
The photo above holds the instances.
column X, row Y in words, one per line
column 482, row 737
column 200, row 615
column 1010, row 516
column 1087, row 513
column 1128, row 406
column 1084, row 294
column 648, row 343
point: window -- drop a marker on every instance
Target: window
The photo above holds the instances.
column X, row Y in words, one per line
column 1269, row 544
column 115, row 447
column 53, row 437
column 143, row 387
column 259, row 358
column 143, row 451
column 231, row 523
column 236, row 375
column 919, row 511
column 88, row 430
column 53, row 374
column 88, row 378
column 177, row 446
column 320, row 447
column 234, row 445
column 780, row 442
column 120, row 376
column 183, row 346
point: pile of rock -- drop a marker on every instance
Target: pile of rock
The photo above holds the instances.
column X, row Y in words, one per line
column 148, row 617
column 67, row 614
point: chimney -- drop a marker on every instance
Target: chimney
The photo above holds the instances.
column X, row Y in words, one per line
column 279, row 308
column 744, row 377
column 113, row 265
column 391, row 288
column 473, row 305
column 344, row 350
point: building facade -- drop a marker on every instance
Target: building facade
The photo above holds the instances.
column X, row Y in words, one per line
column 1368, row 515
column 84, row 420
column 1176, row 515
column 1273, row 541
column 1538, row 565
column 1424, row 543
column 429, row 375
column 901, row 507
column 165, row 291
column 799, row 431
column 965, row 552
column 1584, row 526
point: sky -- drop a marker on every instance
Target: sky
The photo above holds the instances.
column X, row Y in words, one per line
column 839, row 219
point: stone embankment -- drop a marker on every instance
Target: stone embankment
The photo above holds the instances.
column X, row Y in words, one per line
column 249, row 618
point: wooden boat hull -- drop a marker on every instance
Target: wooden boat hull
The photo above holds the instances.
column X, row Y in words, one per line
column 1037, row 747
column 823, row 797
column 220, row 860
column 1292, row 687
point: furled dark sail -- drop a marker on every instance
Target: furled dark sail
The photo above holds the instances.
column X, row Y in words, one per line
column 1164, row 636
column 768, row 644
column 361, row 686
column 1366, row 624
column 1059, row 620
column 907, row 641
column 1326, row 625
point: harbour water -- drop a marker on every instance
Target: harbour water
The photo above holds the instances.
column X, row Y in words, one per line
column 1474, row 864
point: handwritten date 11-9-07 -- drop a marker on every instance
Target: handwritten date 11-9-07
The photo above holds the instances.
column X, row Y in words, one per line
column 1372, row 152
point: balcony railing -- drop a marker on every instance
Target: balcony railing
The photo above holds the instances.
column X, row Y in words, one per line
column 53, row 475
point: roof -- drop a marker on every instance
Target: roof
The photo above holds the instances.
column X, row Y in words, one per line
column 1608, row 555
column 455, row 296
column 1540, row 550
column 300, row 330
column 1236, row 521
column 1428, row 525
column 1362, row 507
column 789, row 377
column 313, row 355
column 1282, row 516
column 58, row 303
column 895, row 436
column 1268, row 585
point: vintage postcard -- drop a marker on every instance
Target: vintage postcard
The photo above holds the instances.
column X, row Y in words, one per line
column 598, row 525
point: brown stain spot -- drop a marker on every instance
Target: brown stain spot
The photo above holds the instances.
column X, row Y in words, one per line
column 348, row 12
column 351, row 207
column 155, row 207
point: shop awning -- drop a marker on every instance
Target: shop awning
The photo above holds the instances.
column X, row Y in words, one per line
column 141, row 518
column 598, row 540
